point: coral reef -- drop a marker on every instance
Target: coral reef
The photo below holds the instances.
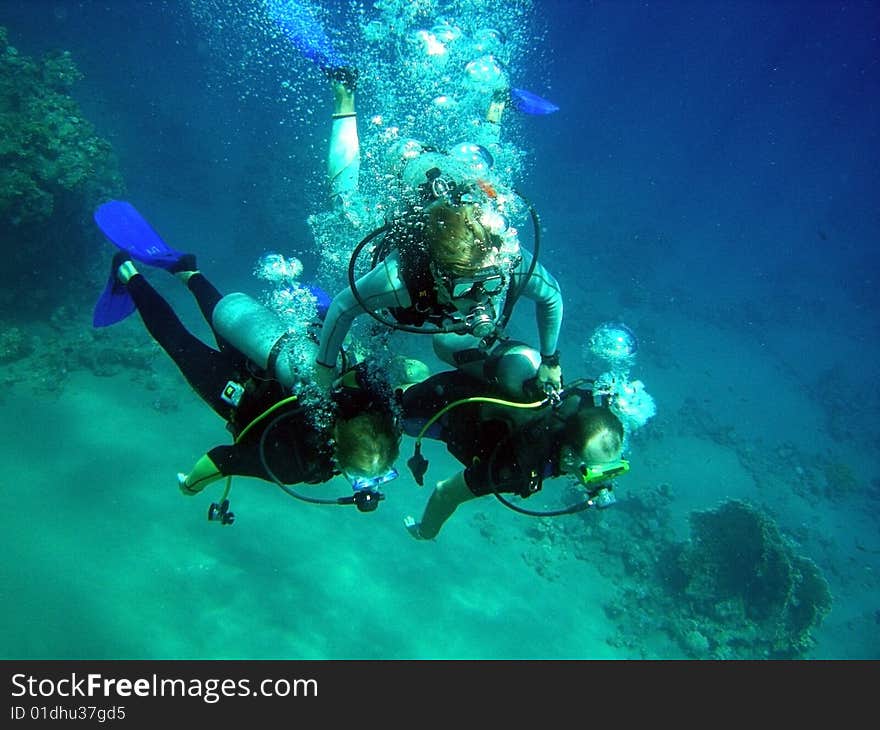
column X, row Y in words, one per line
column 744, row 589
column 53, row 171
column 735, row 590
column 48, row 149
column 42, row 360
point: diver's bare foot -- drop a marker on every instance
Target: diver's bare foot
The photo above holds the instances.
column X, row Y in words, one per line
column 343, row 99
column 343, row 80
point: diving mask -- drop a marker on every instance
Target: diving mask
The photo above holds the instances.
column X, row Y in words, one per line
column 359, row 484
column 485, row 282
column 588, row 475
column 597, row 480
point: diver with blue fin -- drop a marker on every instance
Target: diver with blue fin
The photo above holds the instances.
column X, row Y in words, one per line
column 447, row 263
column 251, row 381
column 298, row 24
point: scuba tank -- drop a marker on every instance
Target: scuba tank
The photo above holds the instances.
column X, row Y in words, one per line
column 259, row 333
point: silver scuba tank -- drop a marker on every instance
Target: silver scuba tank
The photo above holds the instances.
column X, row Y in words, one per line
column 259, row 333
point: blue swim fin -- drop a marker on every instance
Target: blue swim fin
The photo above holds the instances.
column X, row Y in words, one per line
column 128, row 230
column 529, row 103
column 323, row 299
column 298, row 23
column 115, row 303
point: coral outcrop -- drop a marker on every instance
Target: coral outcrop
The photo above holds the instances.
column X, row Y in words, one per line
column 736, row 589
column 54, row 170
column 744, row 589
column 47, row 147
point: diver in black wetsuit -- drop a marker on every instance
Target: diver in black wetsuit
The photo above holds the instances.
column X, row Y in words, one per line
column 277, row 438
column 508, row 447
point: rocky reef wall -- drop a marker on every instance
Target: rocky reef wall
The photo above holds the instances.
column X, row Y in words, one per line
column 54, row 170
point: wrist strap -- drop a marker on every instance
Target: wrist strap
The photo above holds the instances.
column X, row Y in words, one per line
column 551, row 361
column 343, row 115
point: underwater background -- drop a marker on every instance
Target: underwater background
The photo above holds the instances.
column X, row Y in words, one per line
column 710, row 180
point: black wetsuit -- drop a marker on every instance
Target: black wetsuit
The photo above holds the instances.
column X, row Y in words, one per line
column 295, row 449
column 499, row 455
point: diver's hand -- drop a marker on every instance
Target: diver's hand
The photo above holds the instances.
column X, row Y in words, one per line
column 324, row 376
column 550, row 373
column 550, row 377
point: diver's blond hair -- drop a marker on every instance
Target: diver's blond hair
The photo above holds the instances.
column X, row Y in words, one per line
column 368, row 443
column 456, row 239
column 590, row 421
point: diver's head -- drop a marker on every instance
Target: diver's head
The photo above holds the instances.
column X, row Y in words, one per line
column 593, row 436
column 459, row 244
column 367, row 445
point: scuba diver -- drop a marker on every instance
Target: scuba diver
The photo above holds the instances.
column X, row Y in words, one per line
column 448, row 264
column 250, row 382
column 510, row 446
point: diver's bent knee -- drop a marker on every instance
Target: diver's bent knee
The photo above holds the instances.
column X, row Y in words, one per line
column 512, row 366
column 452, row 491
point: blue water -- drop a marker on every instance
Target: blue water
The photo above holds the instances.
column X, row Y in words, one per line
column 710, row 179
